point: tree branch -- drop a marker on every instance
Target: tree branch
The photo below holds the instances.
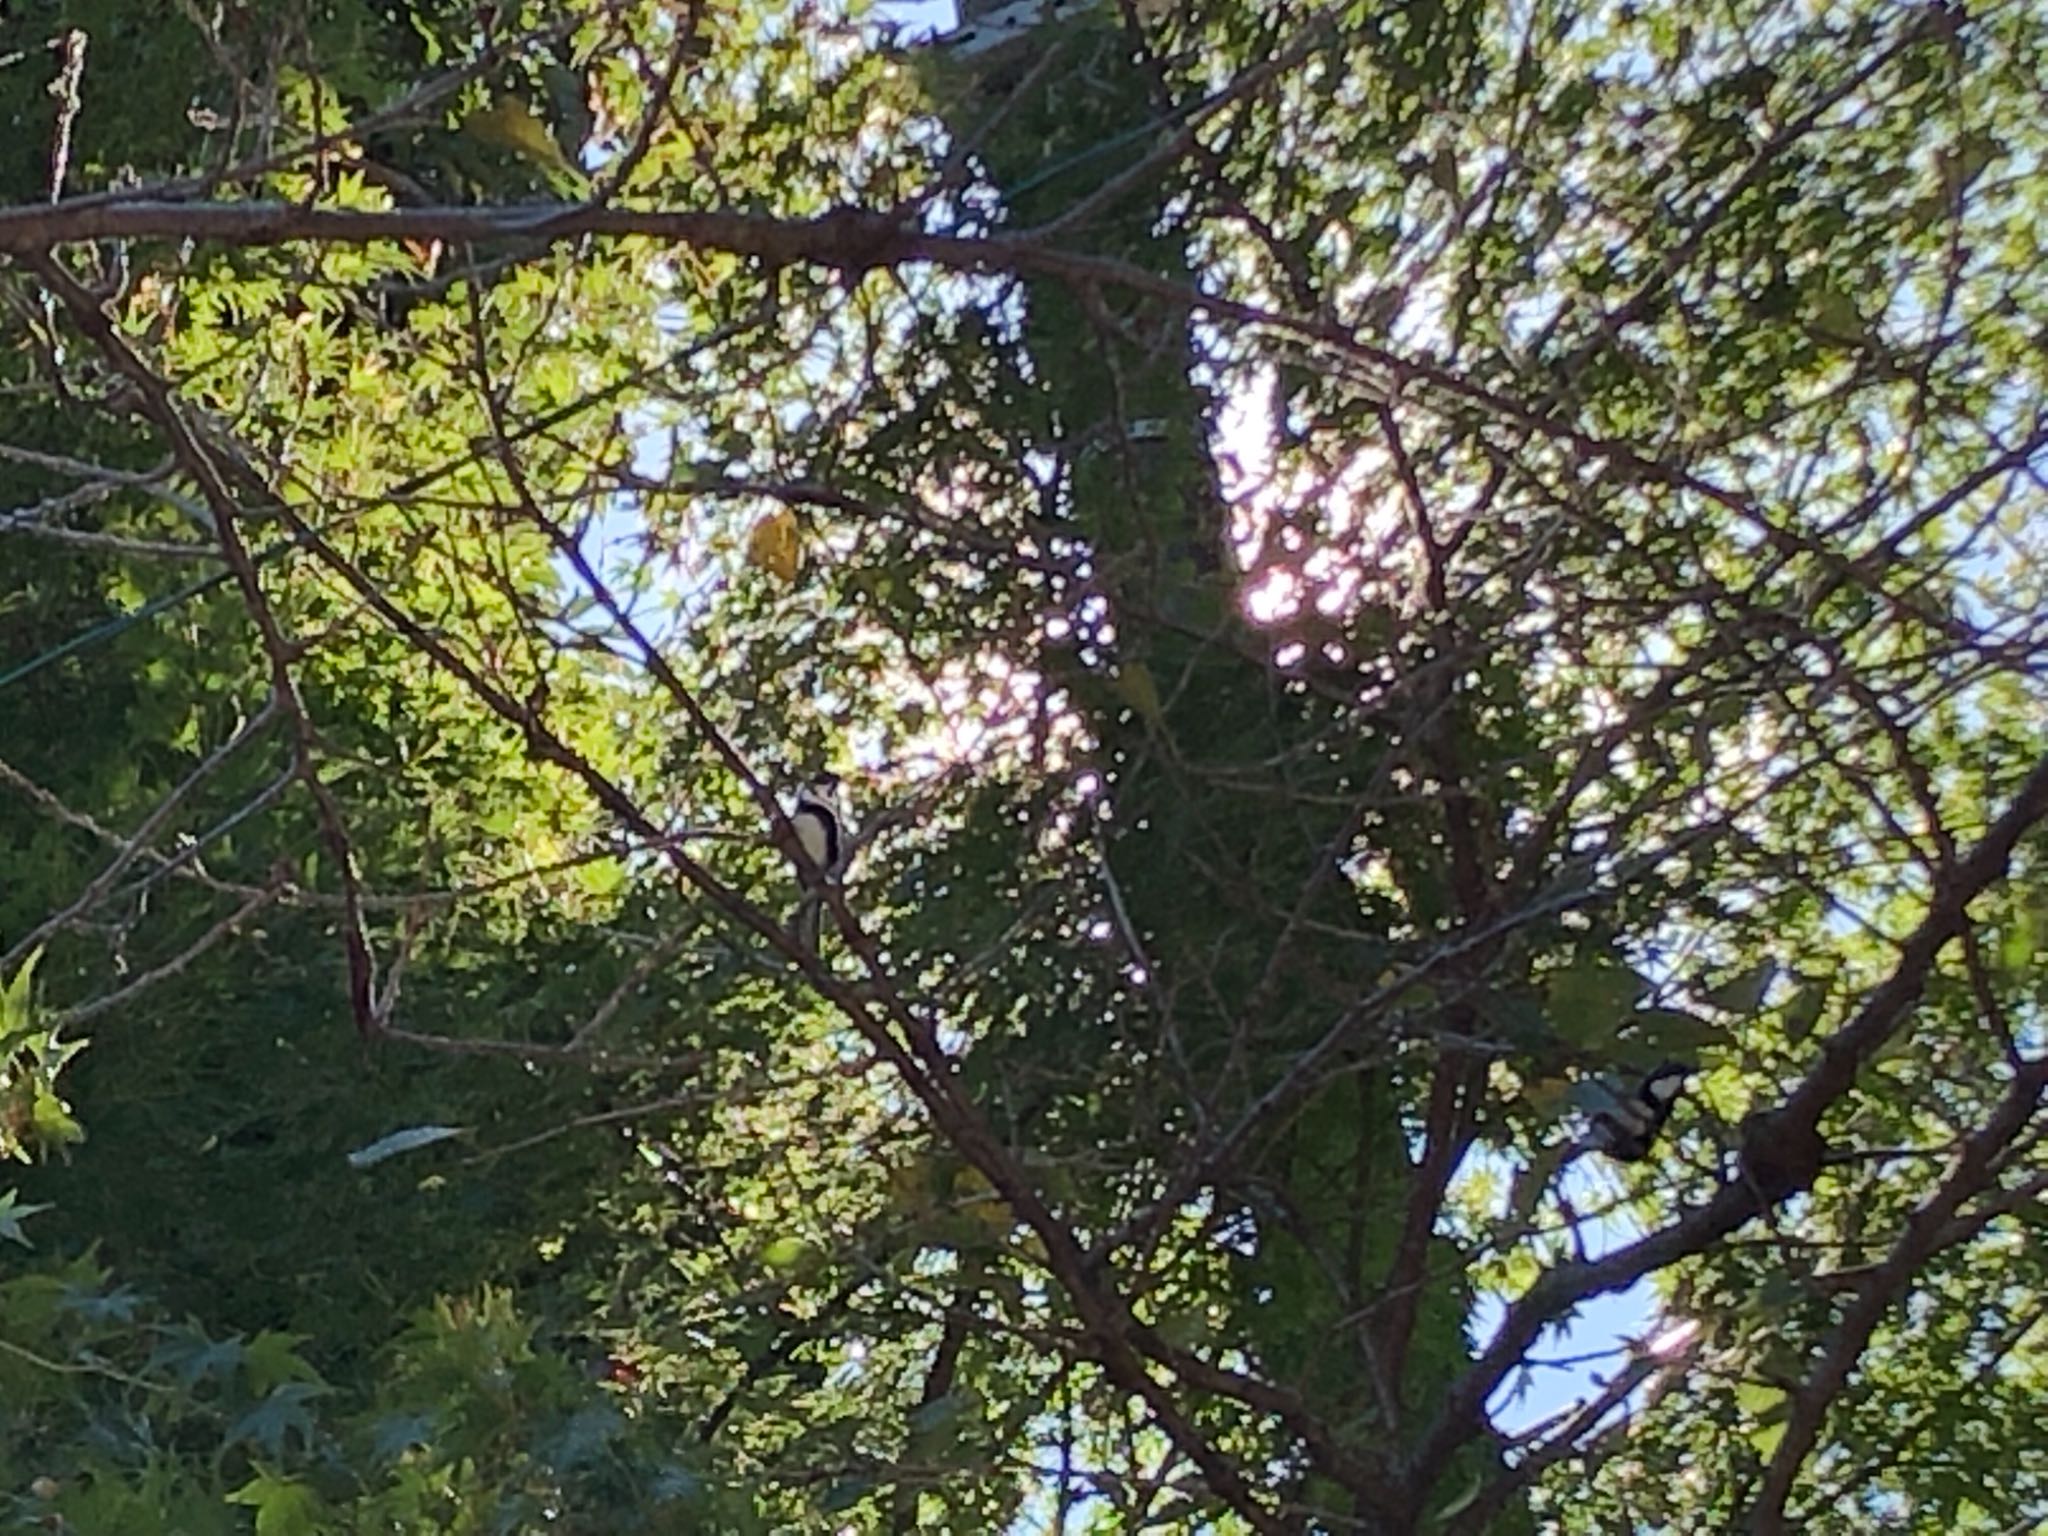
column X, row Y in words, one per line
column 141, row 840
column 1923, row 1236
column 1781, row 1148
column 157, row 402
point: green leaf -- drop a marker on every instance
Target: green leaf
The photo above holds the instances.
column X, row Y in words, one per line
column 1803, row 1009
column 788, row 1253
column 11, row 1216
column 1662, row 1032
column 272, row 1358
column 1743, row 993
column 1833, row 309
column 1767, row 1408
column 1462, row 1500
column 410, row 1139
column 913, row 1187
column 944, row 1412
column 1589, row 1001
column 284, row 1506
column 282, row 1414
column 120, row 1305
column 396, row 1433
column 2026, row 933
column 1134, row 684
column 193, row 1357
column 1764, row 1438
column 51, row 1122
column 16, row 1014
column 1761, row 1402
column 845, row 1493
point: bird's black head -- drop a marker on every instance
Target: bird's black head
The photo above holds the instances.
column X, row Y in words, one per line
column 1666, row 1083
column 825, row 783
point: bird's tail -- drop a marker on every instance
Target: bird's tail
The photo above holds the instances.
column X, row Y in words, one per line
column 807, row 927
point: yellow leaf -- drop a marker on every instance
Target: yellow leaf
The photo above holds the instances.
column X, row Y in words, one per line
column 1546, row 1097
column 1135, row 686
column 979, row 1199
column 775, row 546
column 970, row 1183
column 510, row 124
column 792, row 1253
column 910, row 1187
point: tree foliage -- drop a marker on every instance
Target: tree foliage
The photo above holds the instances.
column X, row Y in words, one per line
column 1375, row 573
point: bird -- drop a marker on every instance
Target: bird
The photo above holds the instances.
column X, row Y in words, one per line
column 1627, row 1126
column 821, row 834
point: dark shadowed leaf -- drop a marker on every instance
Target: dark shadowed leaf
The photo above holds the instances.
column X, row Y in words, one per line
column 1742, row 993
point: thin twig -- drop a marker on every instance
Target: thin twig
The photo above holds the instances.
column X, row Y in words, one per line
column 1925, row 1231
column 1781, row 1149
column 194, row 457
column 144, row 836
column 86, row 1012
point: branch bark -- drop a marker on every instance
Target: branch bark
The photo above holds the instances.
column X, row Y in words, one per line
column 193, row 456
column 1925, row 1233
column 1781, row 1148
column 923, row 1067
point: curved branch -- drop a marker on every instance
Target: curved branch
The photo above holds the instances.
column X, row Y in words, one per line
column 1781, row 1149
column 1927, row 1231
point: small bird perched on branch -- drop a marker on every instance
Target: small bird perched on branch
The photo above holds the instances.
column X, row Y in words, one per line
column 821, row 834
column 1626, row 1126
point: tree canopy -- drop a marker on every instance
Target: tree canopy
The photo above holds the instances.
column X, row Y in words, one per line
column 1374, row 575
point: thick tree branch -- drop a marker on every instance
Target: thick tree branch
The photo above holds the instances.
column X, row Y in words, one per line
column 195, row 459
column 856, row 240
column 1459, row 1076
column 1104, row 1314
column 1781, row 1148
column 847, row 239
column 1881, row 1290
